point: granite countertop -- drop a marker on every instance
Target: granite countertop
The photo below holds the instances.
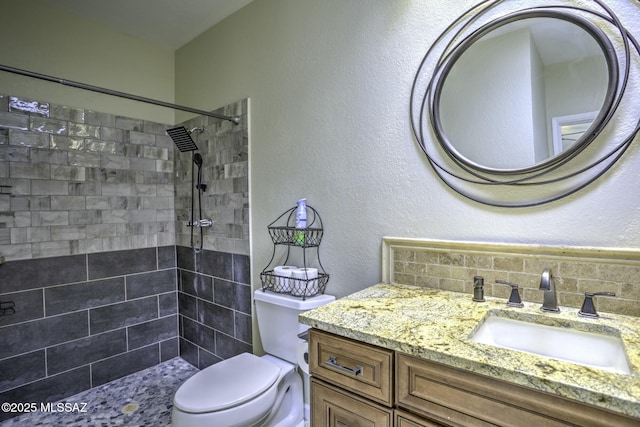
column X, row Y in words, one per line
column 435, row 325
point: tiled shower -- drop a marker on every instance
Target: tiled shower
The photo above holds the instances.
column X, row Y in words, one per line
column 98, row 269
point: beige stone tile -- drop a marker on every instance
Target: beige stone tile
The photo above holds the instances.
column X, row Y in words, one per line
column 426, row 257
column 479, row 261
column 508, row 263
column 452, row 259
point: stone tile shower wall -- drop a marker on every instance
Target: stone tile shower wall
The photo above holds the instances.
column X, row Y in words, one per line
column 452, row 266
column 214, row 304
column 214, row 284
column 224, row 147
column 81, row 181
column 84, row 320
column 87, row 231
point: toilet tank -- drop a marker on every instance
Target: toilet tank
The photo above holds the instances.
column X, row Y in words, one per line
column 277, row 316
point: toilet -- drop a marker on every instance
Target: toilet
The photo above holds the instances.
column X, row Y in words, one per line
column 247, row 390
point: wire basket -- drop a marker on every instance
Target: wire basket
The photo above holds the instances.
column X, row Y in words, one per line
column 284, row 233
column 297, row 287
column 305, row 237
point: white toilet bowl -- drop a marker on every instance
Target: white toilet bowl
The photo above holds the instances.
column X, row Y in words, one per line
column 243, row 391
column 247, row 390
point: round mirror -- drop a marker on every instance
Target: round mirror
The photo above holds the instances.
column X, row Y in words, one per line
column 524, row 91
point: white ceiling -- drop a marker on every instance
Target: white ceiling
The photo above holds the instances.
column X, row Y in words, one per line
column 169, row 23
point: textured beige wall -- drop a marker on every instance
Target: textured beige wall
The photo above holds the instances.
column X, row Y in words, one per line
column 46, row 40
column 329, row 83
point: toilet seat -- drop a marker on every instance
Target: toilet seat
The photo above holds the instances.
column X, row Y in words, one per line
column 240, row 379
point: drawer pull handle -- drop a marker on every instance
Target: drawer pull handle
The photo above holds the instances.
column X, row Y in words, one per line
column 334, row 364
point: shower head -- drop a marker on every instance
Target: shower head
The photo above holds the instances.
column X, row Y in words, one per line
column 182, row 138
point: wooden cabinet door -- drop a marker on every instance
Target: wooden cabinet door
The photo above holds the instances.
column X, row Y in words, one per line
column 332, row 407
column 460, row 398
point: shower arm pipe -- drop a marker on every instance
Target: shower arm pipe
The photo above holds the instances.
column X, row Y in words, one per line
column 79, row 85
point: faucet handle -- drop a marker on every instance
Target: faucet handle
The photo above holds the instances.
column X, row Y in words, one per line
column 588, row 307
column 514, row 298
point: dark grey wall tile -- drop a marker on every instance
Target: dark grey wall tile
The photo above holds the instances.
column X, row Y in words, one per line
column 37, row 273
column 166, row 257
column 244, row 327
column 169, row 349
column 155, row 282
column 152, row 332
column 38, row 334
column 207, row 359
column 79, row 296
column 186, row 258
column 199, row 334
column 28, row 306
column 168, row 304
column 211, row 263
column 187, row 306
column 217, row 264
column 189, row 352
column 227, row 346
column 118, row 366
column 122, row 314
column 107, row 264
column 196, row 285
column 86, row 350
column 216, row 316
column 20, row 370
column 232, row 295
column 231, row 313
column 242, row 269
column 49, row 389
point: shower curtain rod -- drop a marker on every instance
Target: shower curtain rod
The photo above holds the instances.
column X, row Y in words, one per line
column 235, row 120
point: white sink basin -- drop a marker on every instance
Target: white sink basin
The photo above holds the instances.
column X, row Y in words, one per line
column 600, row 351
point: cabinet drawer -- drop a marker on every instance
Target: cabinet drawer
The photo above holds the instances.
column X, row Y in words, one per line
column 404, row 419
column 331, row 407
column 361, row 368
column 461, row 398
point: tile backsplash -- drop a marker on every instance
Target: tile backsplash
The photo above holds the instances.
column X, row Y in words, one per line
column 76, row 181
column 451, row 265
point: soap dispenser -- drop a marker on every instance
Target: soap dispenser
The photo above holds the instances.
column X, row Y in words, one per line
column 301, row 222
column 478, row 289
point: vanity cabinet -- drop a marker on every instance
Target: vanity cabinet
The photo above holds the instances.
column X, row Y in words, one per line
column 360, row 385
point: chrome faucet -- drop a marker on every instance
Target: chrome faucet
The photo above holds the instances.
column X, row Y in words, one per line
column 547, row 284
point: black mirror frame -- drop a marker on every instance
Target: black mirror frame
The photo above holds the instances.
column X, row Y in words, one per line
column 551, row 181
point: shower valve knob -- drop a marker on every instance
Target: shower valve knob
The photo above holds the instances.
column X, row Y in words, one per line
column 204, row 223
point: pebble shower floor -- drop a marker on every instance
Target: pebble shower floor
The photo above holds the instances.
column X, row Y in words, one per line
column 137, row 400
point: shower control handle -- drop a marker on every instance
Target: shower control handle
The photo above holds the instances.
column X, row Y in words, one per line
column 204, row 223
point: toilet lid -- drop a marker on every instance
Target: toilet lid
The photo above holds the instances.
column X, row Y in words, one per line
column 226, row 384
